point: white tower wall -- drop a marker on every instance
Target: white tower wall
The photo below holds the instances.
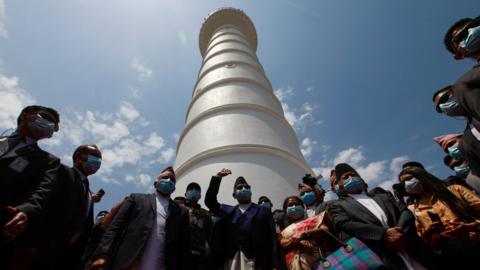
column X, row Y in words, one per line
column 234, row 120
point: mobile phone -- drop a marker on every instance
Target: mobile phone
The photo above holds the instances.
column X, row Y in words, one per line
column 101, row 192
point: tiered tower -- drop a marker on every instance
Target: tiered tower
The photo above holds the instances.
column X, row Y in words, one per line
column 235, row 120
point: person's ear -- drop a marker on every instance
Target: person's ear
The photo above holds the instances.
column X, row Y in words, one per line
column 234, row 195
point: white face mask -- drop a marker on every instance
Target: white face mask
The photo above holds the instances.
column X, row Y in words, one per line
column 413, row 186
column 472, row 42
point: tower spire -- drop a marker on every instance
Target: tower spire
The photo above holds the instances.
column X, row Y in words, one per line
column 235, row 120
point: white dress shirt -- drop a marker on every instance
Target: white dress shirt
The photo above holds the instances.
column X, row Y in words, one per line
column 153, row 256
column 378, row 212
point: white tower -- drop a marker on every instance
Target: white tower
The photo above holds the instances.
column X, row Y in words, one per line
column 234, row 120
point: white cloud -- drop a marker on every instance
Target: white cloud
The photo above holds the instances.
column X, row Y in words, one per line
column 13, row 100
column 166, row 155
column 284, row 94
column 139, row 66
column 129, row 178
column 307, row 147
column 154, row 143
column 105, row 134
column 127, row 112
column 297, row 118
column 135, row 92
column 352, row 156
column 145, row 180
column 3, row 29
column 128, row 151
column 176, row 137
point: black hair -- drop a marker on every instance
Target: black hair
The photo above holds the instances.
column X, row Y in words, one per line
column 103, row 212
column 264, row 198
column 37, row 109
column 180, row 198
column 447, row 40
column 291, row 197
column 436, row 186
column 87, row 149
column 194, row 185
column 414, row 164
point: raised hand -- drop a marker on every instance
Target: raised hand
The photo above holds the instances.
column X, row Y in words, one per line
column 224, row 172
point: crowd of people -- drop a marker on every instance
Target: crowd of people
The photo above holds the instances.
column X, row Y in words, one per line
column 47, row 220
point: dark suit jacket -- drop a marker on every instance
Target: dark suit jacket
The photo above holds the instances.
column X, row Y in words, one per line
column 27, row 189
column 354, row 219
column 134, row 223
column 467, row 93
column 258, row 237
column 65, row 215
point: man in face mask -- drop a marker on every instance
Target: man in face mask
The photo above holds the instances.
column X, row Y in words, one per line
column 375, row 219
column 73, row 201
column 200, row 226
column 27, row 180
column 265, row 202
column 248, row 238
column 461, row 100
column 154, row 232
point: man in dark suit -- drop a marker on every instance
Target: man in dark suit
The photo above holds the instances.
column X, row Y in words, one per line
column 150, row 231
column 245, row 236
column 375, row 219
column 27, row 178
column 69, row 217
column 462, row 99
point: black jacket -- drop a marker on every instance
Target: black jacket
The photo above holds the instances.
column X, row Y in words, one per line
column 252, row 232
column 27, row 180
column 132, row 226
column 357, row 221
column 467, row 93
column 66, row 215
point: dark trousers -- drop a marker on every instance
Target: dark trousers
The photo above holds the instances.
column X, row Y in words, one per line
column 199, row 262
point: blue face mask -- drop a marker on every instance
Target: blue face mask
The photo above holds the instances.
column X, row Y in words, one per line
column 193, row 195
column 244, row 194
column 354, row 185
column 166, row 186
column 41, row 127
column 295, row 211
column 413, row 186
column 461, row 171
column 92, row 164
column 266, row 204
column 309, row 198
column 472, row 42
column 454, row 152
column 451, row 108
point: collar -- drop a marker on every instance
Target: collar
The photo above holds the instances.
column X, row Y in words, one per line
column 362, row 195
column 193, row 205
column 162, row 198
column 29, row 140
column 245, row 206
column 82, row 176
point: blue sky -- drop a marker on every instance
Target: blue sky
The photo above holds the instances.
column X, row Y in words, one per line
column 355, row 78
